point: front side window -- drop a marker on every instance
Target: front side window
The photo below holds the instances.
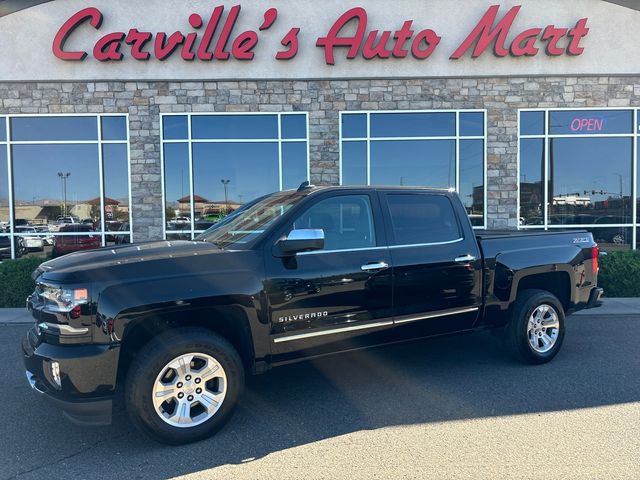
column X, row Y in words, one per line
column 67, row 171
column 347, row 222
column 439, row 149
column 577, row 170
column 418, row 219
column 215, row 163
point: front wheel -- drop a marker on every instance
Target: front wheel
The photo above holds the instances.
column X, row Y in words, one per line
column 535, row 332
column 183, row 385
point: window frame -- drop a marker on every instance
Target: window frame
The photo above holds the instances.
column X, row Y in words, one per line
column 99, row 142
column 634, row 136
column 190, row 141
column 458, row 138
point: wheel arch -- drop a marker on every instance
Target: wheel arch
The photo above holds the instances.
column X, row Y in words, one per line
column 229, row 321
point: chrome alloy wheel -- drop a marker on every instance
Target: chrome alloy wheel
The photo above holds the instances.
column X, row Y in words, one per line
column 189, row 390
column 543, row 328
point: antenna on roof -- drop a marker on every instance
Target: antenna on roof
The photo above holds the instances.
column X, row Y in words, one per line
column 304, row 186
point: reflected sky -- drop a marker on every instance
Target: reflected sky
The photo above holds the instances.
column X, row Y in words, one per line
column 251, row 168
column 397, row 124
column 36, row 167
column 428, row 163
column 472, row 174
column 294, row 165
column 231, row 127
column 116, row 172
column 54, row 128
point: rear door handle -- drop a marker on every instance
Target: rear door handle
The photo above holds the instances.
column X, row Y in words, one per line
column 372, row 267
column 465, row 259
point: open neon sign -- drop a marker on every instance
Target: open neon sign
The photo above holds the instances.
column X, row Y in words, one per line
column 588, row 124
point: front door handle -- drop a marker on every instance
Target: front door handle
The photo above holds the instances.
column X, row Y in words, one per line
column 465, row 259
column 372, row 267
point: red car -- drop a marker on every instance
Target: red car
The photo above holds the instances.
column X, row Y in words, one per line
column 64, row 244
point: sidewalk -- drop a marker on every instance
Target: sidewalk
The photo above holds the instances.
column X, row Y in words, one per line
column 610, row 306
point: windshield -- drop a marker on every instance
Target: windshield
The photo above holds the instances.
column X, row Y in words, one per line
column 250, row 221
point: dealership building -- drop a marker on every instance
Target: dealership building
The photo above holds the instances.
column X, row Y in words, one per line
column 156, row 118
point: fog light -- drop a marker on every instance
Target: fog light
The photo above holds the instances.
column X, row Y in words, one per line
column 55, row 374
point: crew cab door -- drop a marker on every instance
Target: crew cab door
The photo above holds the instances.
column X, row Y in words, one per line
column 437, row 280
column 339, row 297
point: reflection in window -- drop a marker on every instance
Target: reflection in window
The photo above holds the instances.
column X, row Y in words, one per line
column 422, row 219
column 65, row 169
column 440, row 149
column 347, row 222
column 589, row 158
column 229, row 160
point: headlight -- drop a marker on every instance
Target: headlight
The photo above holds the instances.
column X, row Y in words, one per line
column 62, row 299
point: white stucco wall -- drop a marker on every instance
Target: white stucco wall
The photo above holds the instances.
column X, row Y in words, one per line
column 26, row 38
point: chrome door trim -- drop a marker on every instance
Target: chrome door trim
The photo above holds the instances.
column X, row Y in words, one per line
column 458, row 240
column 322, row 333
column 436, row 315
column 366, row 249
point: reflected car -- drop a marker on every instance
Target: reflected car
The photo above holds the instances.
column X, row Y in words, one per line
column 5, row 247
column 63, row 245
column 31, row 242
column 122, row 239
column 48, row 240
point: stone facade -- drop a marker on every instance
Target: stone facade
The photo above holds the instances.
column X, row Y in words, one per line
column 144, row 101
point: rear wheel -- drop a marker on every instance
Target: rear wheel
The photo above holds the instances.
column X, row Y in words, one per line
column 183, row 385
column 536, row 330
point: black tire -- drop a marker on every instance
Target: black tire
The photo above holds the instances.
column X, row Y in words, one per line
column 154, row 357
column 516, row 335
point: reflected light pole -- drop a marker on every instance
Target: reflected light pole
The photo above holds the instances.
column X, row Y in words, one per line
column 63, row 179
column 226, row 183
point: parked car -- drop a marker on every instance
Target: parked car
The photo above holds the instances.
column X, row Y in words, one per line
column 31, row 242
column 122, row 239
column 304, row 273
column 5, row 247
column 48, row 239
column 64, row 244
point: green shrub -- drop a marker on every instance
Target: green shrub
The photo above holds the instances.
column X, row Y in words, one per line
column 620, row 274
column 15, row 281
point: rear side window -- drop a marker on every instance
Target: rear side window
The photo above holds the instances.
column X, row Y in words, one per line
column 422, row 218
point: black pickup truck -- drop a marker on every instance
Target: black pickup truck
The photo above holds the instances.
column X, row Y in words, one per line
column 295, row 275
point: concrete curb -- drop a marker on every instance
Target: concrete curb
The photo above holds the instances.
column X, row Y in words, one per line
column 610, row 306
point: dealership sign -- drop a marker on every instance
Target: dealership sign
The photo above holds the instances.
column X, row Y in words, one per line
column 351, row 35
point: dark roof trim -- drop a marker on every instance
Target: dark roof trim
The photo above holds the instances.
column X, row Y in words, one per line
column 635, row 4
column 8, row 7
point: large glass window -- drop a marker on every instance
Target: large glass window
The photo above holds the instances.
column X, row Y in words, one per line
column 64, row 183
column 440, row 149
column 214, row 163
column 577, row 169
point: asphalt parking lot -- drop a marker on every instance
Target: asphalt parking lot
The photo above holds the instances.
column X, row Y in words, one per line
column 454, row 407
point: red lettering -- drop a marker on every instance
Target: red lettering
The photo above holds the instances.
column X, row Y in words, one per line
column 269, row 18
column 95, row 20
column 242, row 46
column 290, row 40
column 188, row 54
column 378, row 50
column 332, row 40
column 164, row 49
column 553, row 36
column 483, row 35
column 430, row 38
column 203, row 49
column 525, row 43
column 108, row 47
column 138, row 40
column 220, row 53
column 401, row 37
column 576, row 34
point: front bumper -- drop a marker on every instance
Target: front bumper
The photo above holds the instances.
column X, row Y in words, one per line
column 87, row 376
column 88, row 412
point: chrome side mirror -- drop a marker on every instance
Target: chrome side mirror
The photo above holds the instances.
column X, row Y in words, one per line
column 299, row 241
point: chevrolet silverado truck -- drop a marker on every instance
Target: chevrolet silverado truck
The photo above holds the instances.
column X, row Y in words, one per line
column 176, row 325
